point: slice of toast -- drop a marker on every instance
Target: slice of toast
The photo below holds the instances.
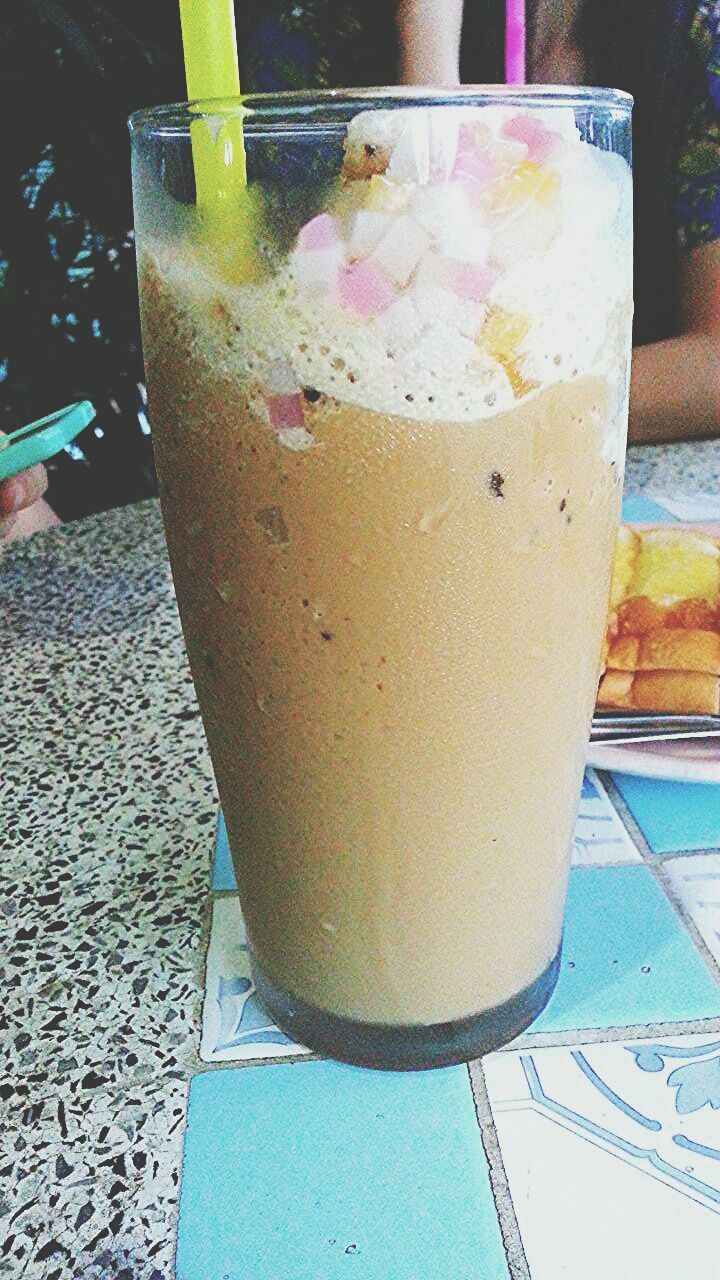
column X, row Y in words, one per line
column 666, row 649
column 662, row 645
column 686, row 692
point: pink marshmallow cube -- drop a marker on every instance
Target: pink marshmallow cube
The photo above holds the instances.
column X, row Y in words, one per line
column 319, row 233
column 473, row 281
column 364, row 289
column 540, row 141
column 473, row 168
column 466, row 137
column 285, row 411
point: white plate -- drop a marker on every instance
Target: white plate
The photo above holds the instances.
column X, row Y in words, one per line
column 673, row 761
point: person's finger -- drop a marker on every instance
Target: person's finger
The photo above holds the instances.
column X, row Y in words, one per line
column 22, row 490
column 7, row 524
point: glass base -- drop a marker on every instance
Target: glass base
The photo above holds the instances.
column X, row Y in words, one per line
column 410, row 1047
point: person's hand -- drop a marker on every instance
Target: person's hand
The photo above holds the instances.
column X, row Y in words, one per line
column 22, row 508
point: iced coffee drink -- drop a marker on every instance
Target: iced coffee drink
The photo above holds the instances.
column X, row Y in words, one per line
column 390, row 456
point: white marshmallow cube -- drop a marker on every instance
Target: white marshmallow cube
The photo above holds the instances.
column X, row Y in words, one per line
column 401, row 249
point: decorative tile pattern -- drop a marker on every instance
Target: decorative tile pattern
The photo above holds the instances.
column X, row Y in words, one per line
column 673, row 816
column 699, row 506
column 696, row 883
column 627, row 960
column 235, row 1024
column 644, row 510
column 600, row 837
column 314, row 1169
column 626, row 1135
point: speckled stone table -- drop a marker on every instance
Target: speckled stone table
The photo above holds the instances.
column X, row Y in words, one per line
column 674, row 470
column 107, row 813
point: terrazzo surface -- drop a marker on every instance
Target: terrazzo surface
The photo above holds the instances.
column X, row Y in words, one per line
column 689, row 468
column 107, row 811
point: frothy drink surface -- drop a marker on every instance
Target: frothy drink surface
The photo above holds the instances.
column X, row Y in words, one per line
column 393, row 621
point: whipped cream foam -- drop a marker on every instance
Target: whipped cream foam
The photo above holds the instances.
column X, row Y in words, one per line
column 469, row 260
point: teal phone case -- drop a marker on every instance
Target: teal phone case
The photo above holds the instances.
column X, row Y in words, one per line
column 42, row 439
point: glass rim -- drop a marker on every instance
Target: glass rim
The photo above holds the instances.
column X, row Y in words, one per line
column 297, row 105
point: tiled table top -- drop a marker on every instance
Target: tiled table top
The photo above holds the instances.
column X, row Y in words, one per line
column 156, row 1124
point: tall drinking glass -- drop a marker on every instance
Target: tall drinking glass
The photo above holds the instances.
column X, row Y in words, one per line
column 387, row 340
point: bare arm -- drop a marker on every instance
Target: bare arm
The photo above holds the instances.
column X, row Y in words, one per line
column 429, row 41
column 675, row 385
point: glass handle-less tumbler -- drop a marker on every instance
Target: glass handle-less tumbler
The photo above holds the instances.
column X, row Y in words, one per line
column 388, row 389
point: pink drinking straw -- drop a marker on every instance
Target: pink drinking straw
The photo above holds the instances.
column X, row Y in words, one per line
column 515, row 41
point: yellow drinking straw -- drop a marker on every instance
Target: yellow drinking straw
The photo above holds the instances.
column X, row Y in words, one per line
column 211, row 71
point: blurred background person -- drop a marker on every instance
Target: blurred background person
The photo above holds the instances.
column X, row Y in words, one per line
column 667, row 54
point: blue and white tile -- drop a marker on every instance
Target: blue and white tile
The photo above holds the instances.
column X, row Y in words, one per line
column 623, row 1141
column 674, row 817
column 223, row 872
column 636, row 507
column 696, row 507
column 695, row 881
column 315, row 1169
column 628, row 960
column 600, row 837
column 235, row 1025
